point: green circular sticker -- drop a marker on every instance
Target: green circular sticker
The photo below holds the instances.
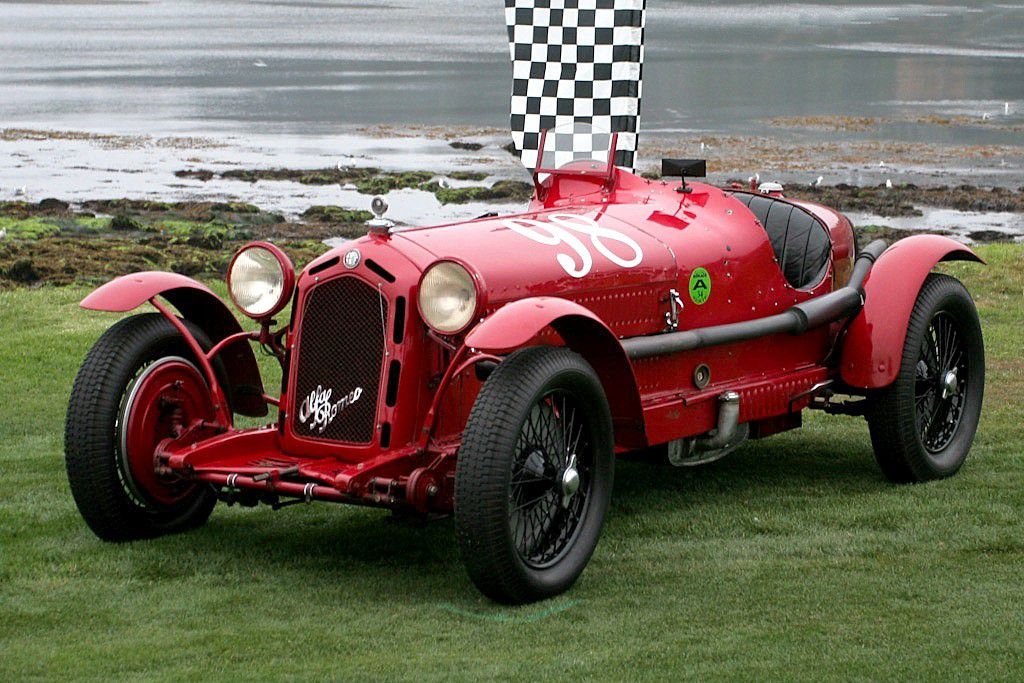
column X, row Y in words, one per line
column 700, row 286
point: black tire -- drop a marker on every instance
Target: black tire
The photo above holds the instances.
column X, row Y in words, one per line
column 92, row 443
column 525, row 537
column 922, row 429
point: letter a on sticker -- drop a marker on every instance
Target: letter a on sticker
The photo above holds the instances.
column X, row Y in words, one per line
column 700, row 286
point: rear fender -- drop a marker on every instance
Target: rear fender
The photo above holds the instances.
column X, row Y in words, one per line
column 199, row 305
column 514, row 325
column 873, row 347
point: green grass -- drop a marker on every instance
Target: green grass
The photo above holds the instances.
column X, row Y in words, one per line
column 790, row 560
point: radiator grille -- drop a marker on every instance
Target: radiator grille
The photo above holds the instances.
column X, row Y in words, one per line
column 340, row 352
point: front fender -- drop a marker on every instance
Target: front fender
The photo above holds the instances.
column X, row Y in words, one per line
column 198, row 304
column 515, row 324
column 873, row 347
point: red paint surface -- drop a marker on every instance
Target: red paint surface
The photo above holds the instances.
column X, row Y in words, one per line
column 128, row 292
column 873, row 347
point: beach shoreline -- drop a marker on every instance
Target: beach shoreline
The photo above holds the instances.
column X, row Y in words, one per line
column 79, row 206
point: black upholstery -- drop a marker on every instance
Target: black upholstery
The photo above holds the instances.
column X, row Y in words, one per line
column 800, row 242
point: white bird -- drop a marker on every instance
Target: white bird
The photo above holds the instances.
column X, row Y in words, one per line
column 3, row 233
column 817, row 183
column 1006, row 108
column 443, row 182
column 20, row 191
column 260, row 64
column 985, row 116
column 888, row 183
column 881, row 164
column 703, row 146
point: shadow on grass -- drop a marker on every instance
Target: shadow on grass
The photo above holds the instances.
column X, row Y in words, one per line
column 324, row 549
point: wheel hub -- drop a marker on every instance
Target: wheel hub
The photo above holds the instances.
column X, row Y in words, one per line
column 950, row 384
column 570, row 481
column 164, row 398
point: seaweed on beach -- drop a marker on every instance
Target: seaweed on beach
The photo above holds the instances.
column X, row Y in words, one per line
column 373, row 181
column 50, row 242
column 904, row 199
column 503, row 190
column 71, row 260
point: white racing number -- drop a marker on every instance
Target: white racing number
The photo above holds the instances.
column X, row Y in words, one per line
column 559, row 229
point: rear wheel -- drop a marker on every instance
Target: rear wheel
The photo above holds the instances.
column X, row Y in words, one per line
column 922, row 426
column 534, row 476
column 138, row 385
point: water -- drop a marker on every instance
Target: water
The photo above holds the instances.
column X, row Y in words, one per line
column 311, row 67
column 293, row 82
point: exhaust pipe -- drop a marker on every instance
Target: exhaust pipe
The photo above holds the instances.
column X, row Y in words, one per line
column 728, row 422
column 725, row 438
column 842, row 303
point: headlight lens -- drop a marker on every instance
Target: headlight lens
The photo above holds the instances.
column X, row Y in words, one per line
column 260, row 280
column 447, row 297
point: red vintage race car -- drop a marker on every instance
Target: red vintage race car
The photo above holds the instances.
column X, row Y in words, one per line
column 495, row 368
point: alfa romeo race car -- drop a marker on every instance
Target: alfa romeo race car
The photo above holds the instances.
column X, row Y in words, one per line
column 495, row 369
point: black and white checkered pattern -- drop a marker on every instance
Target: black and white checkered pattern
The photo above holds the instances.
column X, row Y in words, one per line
column 575, row 62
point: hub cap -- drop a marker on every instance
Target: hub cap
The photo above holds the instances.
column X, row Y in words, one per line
column 162, row 401
column 941, row 378
column 551, row 479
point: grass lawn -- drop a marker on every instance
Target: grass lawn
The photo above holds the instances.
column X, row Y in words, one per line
column 792, row 559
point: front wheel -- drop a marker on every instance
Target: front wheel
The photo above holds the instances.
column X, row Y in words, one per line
column 534, row 475
column 138, row 385
column 923, row 424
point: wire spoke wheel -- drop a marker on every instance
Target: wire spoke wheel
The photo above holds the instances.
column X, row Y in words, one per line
column 940, row 387
column 923, row 424
column 551, row 477
column 534, row 475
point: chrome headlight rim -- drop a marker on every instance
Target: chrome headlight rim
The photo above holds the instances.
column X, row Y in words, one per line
column 478, row 292
column 287, row 274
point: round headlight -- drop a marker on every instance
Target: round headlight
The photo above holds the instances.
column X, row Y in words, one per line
column 260, row 279
column 447, row 297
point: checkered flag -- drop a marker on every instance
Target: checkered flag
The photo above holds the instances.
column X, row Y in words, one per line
column 575, row 62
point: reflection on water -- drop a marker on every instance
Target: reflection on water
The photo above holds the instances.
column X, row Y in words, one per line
column 311, row 67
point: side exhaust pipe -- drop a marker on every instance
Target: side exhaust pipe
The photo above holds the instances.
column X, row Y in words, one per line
column 798, row 319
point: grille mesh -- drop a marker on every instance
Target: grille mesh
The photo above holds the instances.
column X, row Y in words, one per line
column 341, row 349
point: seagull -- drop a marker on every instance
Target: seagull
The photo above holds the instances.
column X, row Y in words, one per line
column 20, row 191
column 443, row 182
column 260, row 64
column 985, row 116
column 888, row 183
column 341, row 167
column 817, row 183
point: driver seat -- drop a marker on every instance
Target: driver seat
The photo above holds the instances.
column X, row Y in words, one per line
column 800, row 242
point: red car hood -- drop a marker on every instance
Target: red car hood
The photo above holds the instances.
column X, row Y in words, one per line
column 585, row 254
column 562, row 252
